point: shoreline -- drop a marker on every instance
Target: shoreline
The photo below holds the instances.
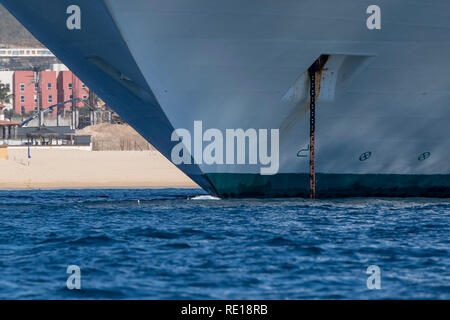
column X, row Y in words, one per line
column 98, row 188
column 56, row 169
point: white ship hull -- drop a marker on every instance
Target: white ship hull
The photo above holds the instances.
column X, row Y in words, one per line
column 241, row 64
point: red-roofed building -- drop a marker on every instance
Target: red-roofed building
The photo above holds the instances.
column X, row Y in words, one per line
column 8, row 129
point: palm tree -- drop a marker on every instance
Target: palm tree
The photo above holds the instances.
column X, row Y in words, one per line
column 4, row 93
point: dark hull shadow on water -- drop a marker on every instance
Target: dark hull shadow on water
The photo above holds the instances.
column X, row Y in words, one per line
column 181, row 244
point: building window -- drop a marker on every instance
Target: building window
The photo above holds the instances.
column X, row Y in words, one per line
column 22, row 110
column 22, row 87
column 83, row 86
column 71, row 97
column 22, row 98
column 50, row 98
column 84, row 97
column 70, row 85
column 35, row 98
column 36, row 86
column 49, row 86
column 35, row 108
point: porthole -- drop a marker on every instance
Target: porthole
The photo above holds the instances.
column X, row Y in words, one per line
column 424, row 156
column 366, row 155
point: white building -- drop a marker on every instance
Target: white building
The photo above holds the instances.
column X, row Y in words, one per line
column 6, row 77
column 59, row 67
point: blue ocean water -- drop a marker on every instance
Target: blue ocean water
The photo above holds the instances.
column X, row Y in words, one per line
column 171, row 246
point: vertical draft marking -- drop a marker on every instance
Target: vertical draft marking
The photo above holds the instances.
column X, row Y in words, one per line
column 315, row 75
column 312, row 131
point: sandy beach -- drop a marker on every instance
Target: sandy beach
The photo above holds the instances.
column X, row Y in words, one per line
column 59, row 168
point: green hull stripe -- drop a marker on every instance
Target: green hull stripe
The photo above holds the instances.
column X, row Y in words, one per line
column 331, row 185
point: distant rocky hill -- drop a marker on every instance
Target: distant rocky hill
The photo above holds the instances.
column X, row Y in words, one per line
column 13, row 34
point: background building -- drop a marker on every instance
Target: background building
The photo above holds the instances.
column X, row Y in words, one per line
column 49, row 92
column 54, row 86
column 70, row 87
column 25, row 92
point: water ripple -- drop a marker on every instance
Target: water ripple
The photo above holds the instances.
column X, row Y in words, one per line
column 168, row 246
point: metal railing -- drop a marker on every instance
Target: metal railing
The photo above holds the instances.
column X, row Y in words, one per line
column 25, row 52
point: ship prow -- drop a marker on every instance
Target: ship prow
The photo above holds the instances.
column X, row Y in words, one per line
column 381, row 110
